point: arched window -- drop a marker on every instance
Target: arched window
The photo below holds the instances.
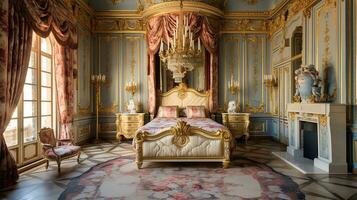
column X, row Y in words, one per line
column 36, row 106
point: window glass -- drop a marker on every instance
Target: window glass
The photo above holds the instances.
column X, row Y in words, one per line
column 31, row 76
column 11, row 133
column 46, row 122
column 46, row 45
column 46, row 64
column 30, row 92
column 32, row 63
column 46, row 108
column 30, row 108
column 30, row 129
column 46, row 79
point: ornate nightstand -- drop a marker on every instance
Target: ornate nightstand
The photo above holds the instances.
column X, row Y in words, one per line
column 237, row 123
column 128, row 124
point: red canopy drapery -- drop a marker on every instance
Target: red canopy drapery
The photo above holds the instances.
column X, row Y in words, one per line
column 163, row 26
column 158, row 27
column 17, row 20
column 51, row 16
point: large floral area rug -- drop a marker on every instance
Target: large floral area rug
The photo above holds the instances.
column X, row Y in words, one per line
column 120, row 179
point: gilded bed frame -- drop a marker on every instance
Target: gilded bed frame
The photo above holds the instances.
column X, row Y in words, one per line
column 182, row 96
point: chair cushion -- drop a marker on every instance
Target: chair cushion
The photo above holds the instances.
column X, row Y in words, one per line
column 62, row 151
column 47, row 136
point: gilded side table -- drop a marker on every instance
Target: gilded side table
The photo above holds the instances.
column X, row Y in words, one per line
column 128, row 124
column 237, row 123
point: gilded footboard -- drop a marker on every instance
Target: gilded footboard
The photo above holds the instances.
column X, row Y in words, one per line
column 180, row 135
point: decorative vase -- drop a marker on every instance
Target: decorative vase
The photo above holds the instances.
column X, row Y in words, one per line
column 308, row 85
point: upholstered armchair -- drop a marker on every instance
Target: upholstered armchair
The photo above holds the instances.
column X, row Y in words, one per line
column 54, row 149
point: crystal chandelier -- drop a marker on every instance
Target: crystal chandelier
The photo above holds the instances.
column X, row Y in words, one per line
column 181, row 54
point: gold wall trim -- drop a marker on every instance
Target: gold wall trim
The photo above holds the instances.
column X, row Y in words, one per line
column 174, row 6
column 247, row 14
column 118, row 14
column 118, row 25
column 251, row 109
column 114, row 31
column 243, row 32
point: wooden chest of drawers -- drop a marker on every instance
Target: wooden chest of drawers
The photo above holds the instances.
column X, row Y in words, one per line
column 237, row 123
column 128, row 124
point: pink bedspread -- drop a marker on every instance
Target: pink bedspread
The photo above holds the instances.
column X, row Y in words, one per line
column 158, row 124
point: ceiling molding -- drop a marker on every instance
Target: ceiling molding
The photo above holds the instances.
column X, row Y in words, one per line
column 187, row 6
column 118, row 14
column 174, row 6
column 251, row 15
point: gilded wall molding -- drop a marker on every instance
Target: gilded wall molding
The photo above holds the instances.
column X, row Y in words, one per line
column 110, row 109
column 118, row 25
column 292, row 116
column 288, row 11
column 323, row 120
column 132, row 21
column 244, row 26
column 188, row 6
column 252, row 109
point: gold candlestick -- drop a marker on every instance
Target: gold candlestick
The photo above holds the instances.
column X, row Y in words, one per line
column 233, row 86
column 270, row 81
column 97, row 80
column 131, row 87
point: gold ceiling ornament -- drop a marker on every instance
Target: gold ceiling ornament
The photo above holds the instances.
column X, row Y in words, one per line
column 181, row 6
column 181, row 54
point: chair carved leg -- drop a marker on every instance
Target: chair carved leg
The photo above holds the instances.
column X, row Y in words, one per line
column 225, row 164
column 47, row 163
column 139, row 164
column 59, row 166
column 246, row 139
column 79, row 155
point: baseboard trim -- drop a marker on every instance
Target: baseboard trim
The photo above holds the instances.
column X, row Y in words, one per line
column 31, row 166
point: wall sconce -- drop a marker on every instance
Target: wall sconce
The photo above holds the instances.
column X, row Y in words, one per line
column 131, row 87
column 270, row 81
column 233, row 86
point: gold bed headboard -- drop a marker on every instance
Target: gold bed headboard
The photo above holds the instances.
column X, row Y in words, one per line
column 183, row 96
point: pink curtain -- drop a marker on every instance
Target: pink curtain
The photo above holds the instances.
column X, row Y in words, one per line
column 65, row 63
column 208, row 31
column 51, row 16
column 159, row 27
column 15, row 49
column 163, row 26
column 18, row 18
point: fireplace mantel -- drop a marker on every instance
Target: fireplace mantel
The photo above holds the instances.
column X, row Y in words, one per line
column 331, row 126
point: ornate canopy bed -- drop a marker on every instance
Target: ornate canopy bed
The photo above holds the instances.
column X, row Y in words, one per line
column 183, row 137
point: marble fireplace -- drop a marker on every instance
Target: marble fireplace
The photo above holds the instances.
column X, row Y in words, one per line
column 325, row 126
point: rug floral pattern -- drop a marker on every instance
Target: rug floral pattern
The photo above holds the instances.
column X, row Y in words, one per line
column 120, row 179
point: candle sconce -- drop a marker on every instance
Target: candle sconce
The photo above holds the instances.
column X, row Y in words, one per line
column 270, row 81
column 233, row 86
column 131, row 87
